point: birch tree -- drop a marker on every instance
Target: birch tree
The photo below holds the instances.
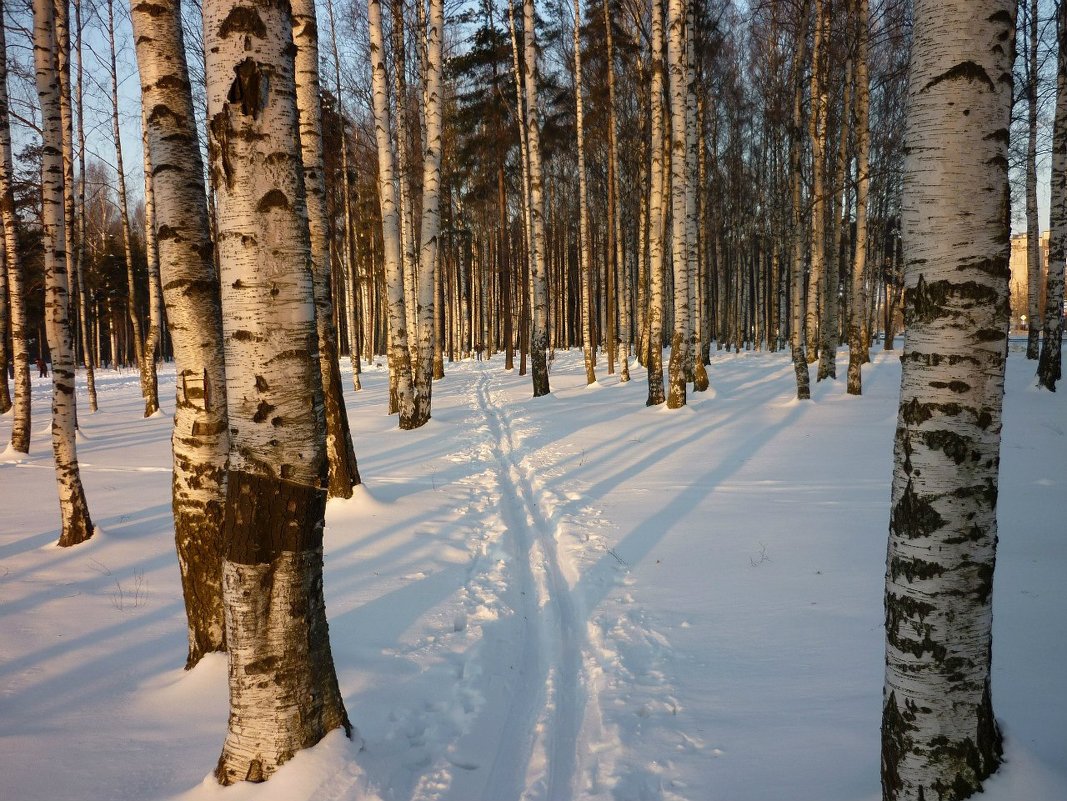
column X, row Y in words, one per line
column 585, row 257
column 657, row 174
column 538, row 249
column 1033, row 227
column 679, row 235
column 340, row 453
column 88, row 351
column 155, row 300
column 399, row 357
column 76, row 524
column 283, row 687
column 857, row 341
column 939, row 736
column 1049, row 363
column 200, row 440
column 431, row 215
column 797, row 318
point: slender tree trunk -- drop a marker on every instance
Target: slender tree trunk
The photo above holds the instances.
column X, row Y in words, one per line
column 694, row 366
column 858, row 338
column 191, row 293
column 585, row 258
column 538, row 250
column 400, row 360
column 939, row 736
column 829, row 330
column 817, row 136
column 127, row 237
column 340, row 454
column 797, row 338
column 155, row 312
column 1049, row 364
column 76, row 526
column 1033, row 227
column 89, row 356
column 283, row 688
column 656, row 232
column 5, row 322
column 431, row 214
column 676, row 62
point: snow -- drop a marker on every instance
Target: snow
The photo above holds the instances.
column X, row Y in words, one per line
column 569, row 597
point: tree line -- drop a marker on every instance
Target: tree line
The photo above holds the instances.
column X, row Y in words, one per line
column 624, row 177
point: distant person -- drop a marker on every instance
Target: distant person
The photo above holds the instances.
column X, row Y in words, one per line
column 42, row 368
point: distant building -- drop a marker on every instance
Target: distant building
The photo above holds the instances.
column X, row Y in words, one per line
column 1019, row 283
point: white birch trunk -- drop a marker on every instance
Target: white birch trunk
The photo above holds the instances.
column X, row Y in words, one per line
column 340, row 454
column 155, row 312
column 584, row 245
column 939, row 736
column 797, row 338
column 676, row 67
column 538, row 249
column 817, row 138
column 89, row 356
column 431, row 216
column 656, row 232
column 1049, row 363
column 1033, row 227
column 200, row 440
column 400, row 360
column 857, row 337
column 76, row 525
column 283, row 688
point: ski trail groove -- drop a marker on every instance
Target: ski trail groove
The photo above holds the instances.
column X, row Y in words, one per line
column 562, row 695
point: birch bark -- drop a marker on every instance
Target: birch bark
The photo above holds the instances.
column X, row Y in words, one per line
column 190, row 286
column 939, row 736
column 283, row 688
column 584, row 244
column 656, row 232
column 538, row 249
column 1033, row 227
column 857, row 337
column 679, row 180
column 155, row 312
column 76, row 525
column 340, row 453
column 1049, row 363
column 399, row 356
column 431, row 215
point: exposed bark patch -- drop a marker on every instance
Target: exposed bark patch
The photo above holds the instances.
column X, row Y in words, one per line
column 954, row 446
column 965, row 70
column 274, row 199
column 243, row 20
column 267, row 516
column 926, row 302
column 914, row 516
column 263, row 412
column 249, row 89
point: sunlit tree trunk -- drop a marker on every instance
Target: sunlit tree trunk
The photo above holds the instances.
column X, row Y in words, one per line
column 679, row 180
column 89, row 354
column 200, row 440
column 124, row 215
column 694, row 367
column 797, row 317
column 400, row 360
column 1033, row 227
column 283, row 687
column 340, row 454
column 656, row 231
column 1049, row 364
column 431, row 215
column 155, row 312
column 828, row 335
column 817, row 137
column 857, row 337
column 538, row 249
column 76, row 526
column 939, row 736
column 585, row 257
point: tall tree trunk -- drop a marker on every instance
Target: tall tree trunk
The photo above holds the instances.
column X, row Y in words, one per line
column 618, row 252
column 431, row 215
column 656, row 232
column 1033, row 227
column 283, row 687
column 694, row 366
column 124, row 215
column 399, row 357
column 89, row 355
column 76, row 526
column 939, row 736
column 340, row 454
column 817, row 136
column 679, row 179
column 200, row 440
column 155, row 313
column 858, row 338
column 830, row 329
column 585, row 258
column 5, row 322
column 797, row 317
column 1049, row 364
column 538, row 250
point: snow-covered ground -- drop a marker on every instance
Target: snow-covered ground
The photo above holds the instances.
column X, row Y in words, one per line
column 571, row 597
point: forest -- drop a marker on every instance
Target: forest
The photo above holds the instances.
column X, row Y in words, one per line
column 572, row 355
